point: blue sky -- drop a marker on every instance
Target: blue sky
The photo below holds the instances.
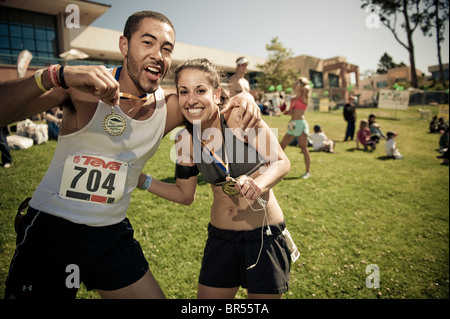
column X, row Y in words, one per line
column 321, row 28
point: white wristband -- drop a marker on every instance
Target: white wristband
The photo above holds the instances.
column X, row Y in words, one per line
column 147, row 183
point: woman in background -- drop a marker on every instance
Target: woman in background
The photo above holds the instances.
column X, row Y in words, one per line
column 298, row 126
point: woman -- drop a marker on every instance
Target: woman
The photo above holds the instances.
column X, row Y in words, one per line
column 298, row 127
column 244, row 204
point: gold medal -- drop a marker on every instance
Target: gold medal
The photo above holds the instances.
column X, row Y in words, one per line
column 229, row 188
column 114, row 124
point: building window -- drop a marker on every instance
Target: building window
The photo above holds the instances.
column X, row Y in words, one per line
column 382, row 84
column 316, row 78
column 333, row 79
column 24, row 30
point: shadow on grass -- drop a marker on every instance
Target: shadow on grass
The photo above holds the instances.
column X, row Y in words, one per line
column 353, row 149
column 385, row 158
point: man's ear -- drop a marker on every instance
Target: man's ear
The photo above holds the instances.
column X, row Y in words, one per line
column 123, row 45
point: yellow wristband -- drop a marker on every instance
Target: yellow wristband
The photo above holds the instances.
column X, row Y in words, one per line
column 38, row 79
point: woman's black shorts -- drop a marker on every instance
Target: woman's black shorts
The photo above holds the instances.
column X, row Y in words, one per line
column 229, row 253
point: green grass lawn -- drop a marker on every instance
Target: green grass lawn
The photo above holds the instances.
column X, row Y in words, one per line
column 357, row 209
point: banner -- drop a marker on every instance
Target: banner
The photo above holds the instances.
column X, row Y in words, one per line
column 390, row 99
column 324, row 105
column 22, row 63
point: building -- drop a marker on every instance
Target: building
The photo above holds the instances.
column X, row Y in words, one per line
column 435, row 73
column 334, row 77
column 48, row 28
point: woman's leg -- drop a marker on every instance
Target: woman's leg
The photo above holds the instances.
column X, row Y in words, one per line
column 287, row 139
column 303, row 144
column 205, row 292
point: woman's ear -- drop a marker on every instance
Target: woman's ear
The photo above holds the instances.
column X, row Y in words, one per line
column 123, row 45
column 217, row 94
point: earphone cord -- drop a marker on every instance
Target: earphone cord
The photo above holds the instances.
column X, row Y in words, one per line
column 263, row 204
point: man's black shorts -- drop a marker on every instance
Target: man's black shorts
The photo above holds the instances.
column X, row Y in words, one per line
column 229, row 253
column 50, row 251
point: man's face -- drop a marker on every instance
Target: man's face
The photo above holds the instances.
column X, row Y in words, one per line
column 242, row 68
column 148, row 54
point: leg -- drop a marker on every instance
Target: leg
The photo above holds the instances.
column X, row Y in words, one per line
column 287, row 139
column 264, row 296
column 347, row 132
column 4, row 148
column 303, row 143
column 351, row 129
column 205, row 292
column 145, row 288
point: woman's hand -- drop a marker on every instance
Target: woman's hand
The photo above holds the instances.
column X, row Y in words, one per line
column 247, row 187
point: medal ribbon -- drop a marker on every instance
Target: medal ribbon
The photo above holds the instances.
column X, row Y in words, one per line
column 224, row 166
column 144, row 97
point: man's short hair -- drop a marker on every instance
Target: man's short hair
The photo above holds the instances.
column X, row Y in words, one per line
column 134, row 21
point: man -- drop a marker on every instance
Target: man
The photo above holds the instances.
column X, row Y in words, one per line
column 238, row 83
column 76, row 218
column 350, row 118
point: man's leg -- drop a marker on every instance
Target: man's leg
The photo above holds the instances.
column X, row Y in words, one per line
column 145, row 288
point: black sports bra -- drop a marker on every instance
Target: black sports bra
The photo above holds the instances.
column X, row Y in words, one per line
column 243, row 158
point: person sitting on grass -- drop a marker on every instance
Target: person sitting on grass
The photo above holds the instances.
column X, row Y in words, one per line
column 320, row 141
column 391, row 147
column 363, row 136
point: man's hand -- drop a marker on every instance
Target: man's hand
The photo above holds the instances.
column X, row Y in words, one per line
column 95, row 80
column 249, row 114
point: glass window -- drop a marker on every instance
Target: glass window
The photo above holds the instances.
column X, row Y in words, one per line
column 4, row 42
column 16, row 43
column 40, row 34
column 333, row 80
column 36, row 32
column 4, row 29
column 41, row 46
column 15, row 30
column 28, row 32
column 316, row 78
column 29, row 44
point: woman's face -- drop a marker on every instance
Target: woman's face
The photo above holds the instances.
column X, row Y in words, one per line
column 197, row 99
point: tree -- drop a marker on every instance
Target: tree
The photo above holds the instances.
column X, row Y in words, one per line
column 274, row 70
column 412, row 13
column 437, row 15
column 386, row 63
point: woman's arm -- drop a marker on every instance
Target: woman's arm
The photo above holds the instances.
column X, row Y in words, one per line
column 183, row 191
column 277, row 163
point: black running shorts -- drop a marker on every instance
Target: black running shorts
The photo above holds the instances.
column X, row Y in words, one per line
column 229, row 253
column 51, row 252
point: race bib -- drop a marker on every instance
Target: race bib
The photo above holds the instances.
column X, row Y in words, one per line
column 94, row 179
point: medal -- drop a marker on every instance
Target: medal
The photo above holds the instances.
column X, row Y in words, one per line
column 229, row 188
column 114, row 124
